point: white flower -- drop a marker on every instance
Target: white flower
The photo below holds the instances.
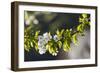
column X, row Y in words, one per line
column 45, row 34
column 40, row 37
column 41, row 43
column 56, row 38
column 41, row 40
column 47, row 37
column 42, row 50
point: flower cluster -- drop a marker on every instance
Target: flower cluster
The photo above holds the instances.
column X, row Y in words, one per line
column 43, row 40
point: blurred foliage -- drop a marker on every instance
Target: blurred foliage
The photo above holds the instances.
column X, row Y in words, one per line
column 61, row 39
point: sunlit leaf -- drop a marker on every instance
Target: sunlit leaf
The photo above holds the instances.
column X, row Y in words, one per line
column 25, row 47
column 37, row 33
column 66, row 46
column 59, row 44
column 74, row 38
column 51, row 50
column 31, row 43
column 54, row 51
column 62, row 31
column 80, row 28
column 84, row 15
column 36, row 46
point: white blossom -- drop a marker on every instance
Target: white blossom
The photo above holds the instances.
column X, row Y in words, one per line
column 40, row 37
column 41, row 43
column 47, row 37
column 45, row 34
column 42, row 50
column 42, row 40
column 56, row 38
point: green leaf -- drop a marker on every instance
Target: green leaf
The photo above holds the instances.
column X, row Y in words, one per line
column 31, row 43
column 50, row 43
column 34, row 41
column 54, row 51
column 36, row 46
column 62, row 31
column 66, row 46
column 47, row 47
column 84, row 15
column 74, row 38
column 67, row 34
column 50, row 50
column 57, row 32
column 26, row 48
column 37, row 33
column 80, row 28
column 59, row 44
column 80, row 20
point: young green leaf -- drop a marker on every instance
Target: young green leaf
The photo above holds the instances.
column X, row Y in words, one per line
column 59, row 44
column 25, row 47
column 57, row 32
column 62, row 31
column 36, row 46
column 84, row 15
column 36, row 34
column 80, row 28
column 31, row 43
column 74, row 38
column 66, row 46
column 50, row 50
